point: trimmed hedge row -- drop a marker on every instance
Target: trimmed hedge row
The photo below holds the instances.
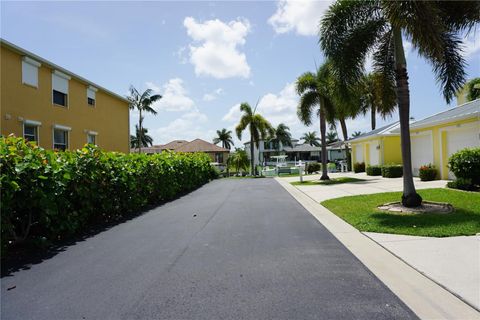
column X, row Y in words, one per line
column 374, row 170
column 392, row 171
column 50, row 195
column 359, row 167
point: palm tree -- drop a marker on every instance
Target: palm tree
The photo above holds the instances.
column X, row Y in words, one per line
column 473, row 89
column 259, row 129
column 356, row 134
column 331, row 137
column 225, row 137
column 315, row 100
column 146, row 139
column 238, row 160
column 143, row 103
column 378, row 96
column 352, row 29
column 282, row 136
column 311, row 138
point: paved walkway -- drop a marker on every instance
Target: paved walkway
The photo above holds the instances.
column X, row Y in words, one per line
column 452, row 262
column 234, row 249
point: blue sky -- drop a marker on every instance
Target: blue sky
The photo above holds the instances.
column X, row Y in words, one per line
column 204, row 57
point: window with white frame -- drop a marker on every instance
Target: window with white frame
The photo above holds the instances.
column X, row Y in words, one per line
column 60, row 88
column 60, row 138
column 91, row 95
column 91, row 138
column 30, row 132
column 30, row 71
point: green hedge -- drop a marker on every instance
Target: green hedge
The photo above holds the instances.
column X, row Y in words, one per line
column 392, row 170
column 359, row 167
column 313, row 167
column 427, row 172
column 50, row 195
column 374, row 170
column 465, row 164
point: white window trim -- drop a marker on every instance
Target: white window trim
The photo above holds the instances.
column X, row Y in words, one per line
column 62, row 75
column 92, row 133
column 59, row 126
column 33, row 63
column 66, row 77
column 33, row 124
column 94, row 90
column 66, row 129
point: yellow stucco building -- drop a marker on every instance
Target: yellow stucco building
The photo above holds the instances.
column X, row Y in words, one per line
column 56, row 108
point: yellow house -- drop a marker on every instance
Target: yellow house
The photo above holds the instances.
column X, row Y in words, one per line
column 377, row 147
column 57, row 108
column 435, row 138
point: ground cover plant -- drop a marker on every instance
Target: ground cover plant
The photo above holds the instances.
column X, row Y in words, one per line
column 48, row 195
column 362, row 213
column 326, row 182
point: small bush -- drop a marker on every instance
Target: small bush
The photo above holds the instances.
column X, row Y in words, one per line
column 392, row 171
column 331, row 167
column 313, row 167
column 462, row 184
column 427, row 172
column 374, row 170
column 51, row 195
column 359, row 167
column 466, row 164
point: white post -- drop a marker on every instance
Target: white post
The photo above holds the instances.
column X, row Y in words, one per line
column 300, row 171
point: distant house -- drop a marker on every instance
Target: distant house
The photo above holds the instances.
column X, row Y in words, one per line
column 216, row 153
column 298, row 151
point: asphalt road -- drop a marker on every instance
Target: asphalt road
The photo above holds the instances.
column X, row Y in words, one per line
column 234, row 249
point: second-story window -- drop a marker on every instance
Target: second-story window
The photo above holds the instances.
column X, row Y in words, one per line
column 60, row 88
column 30, row 72
column 91, row 96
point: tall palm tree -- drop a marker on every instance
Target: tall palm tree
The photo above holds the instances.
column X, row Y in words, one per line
column 378, row 96
column 356, row 134
column 282, row 136
column 142, row 102
column 352, row 29
column 146, row 140
column 315, row 100
column 311, row 138
column 258, row 127
column 331, row 137
column 473, row 89
column 225, row 137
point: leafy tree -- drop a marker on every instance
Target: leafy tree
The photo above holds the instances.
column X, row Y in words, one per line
column 315, row 100
column 238, row 160
column 356, row 134
column 378, row 96
column 473, row 87
column 282, row 136
column 146, row 139
column 225, row 137
column 142, row 102
column 258, row 127
column 352, row 29
column 311, row 138
column 331, row 137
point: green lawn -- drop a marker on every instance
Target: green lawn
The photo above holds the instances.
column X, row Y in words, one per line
column 325, row 182
column 362, row 213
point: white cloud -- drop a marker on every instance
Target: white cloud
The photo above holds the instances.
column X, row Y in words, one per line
column 189, row 126
column 471, row 45
column 212, row 95
column 301, row 16
column 214, row 51
column 174, row 96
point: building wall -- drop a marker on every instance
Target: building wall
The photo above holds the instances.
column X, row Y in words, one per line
column 213, row 157
column 389, row 151
column 19, row 102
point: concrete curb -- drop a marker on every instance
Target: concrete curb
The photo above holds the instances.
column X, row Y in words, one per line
column 423, row 296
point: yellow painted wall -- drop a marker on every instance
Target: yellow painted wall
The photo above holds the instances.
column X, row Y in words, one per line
column 109, row 118
column 391, row 150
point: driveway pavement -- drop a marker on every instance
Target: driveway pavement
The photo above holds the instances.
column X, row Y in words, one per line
column 234, row 249
column 452, row 262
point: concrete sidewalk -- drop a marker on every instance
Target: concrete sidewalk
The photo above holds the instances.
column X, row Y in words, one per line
column 452, row 262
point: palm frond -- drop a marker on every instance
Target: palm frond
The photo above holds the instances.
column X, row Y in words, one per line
column 309, row 102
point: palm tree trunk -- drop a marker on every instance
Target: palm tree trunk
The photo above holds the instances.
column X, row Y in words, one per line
column 323, row 129
column 410, row 197
column 252, row 160
column 373, row 116
column 139, row 138
column 343, row 124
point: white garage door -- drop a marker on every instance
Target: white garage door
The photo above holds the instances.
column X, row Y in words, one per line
column 359, row 153
column 422, row 151
column 374, row 154
column 462, row 138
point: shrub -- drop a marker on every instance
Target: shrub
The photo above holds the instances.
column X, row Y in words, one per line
column 427, row 172
column 392, row 171
column 313, row 167
column 462, row 184
column 466, row 164
column 374, row 170
column 331, row 167
column 359, row 167
column 51, row 195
